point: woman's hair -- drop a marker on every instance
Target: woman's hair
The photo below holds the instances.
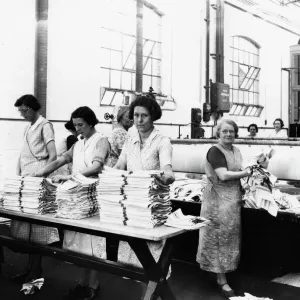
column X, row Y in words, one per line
column 149, row 103
column 86, row 114
column 229, row 122
column 253, row 125
column 29, row 101
column 121, row 112
column 70, row 126
column 281, row 122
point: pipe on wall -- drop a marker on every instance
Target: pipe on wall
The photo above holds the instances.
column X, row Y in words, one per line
column 139, row 46
column 41, row 54
column 207, row 54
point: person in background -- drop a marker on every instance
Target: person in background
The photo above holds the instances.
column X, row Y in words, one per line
column 220, row 241
column 88, row 156
column 119, row 135
column 279, row 132
column 145, row 149
column 73, row 137
column 253, row 130
column 38, row 151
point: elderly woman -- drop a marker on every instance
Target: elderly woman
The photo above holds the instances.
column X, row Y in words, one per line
column 38, row 150
column 145, row 149
column 119, row 135
column 279, row 132
column 88, row 156
column 219, row 242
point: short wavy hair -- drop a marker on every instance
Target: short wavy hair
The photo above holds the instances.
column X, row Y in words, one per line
column 229, row 122
column 86, row 114
column 149, row 103
column 122, row 111
column 29, row 101
column 281, row 122
column 253, row 125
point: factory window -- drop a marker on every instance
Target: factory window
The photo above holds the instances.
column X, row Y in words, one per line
column 244, row 75
column 118, row 51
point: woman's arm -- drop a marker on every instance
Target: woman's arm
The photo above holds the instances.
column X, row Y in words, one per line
column 168, row 175
column 19, row 166
column 225, row 175
column 51, row 151
column 121, row 163
column 52, row 166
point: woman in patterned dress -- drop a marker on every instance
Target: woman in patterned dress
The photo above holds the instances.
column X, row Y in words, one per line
column 145, row 149
column 219, row 241
column 88, row 156
column 119, row 135
column 38, row 150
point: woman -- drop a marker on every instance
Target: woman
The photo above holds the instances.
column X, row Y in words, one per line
column 279, row 132
column 119, row 135
column 88, row 156
column 253, row 130
column 38, row 150
column 145, row 149
column 219, row 241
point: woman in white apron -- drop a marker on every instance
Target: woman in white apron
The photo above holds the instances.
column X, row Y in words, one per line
column 38, row 150
column 88, row 156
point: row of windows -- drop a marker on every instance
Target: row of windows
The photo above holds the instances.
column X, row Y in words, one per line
column 118, row 56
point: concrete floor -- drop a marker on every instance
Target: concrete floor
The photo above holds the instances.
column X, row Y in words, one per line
column 187, row 282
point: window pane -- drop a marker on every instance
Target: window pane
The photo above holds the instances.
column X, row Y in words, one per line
column 146, row 83
column 105, row 58
column 126, row 81
column 116, row 60
column 104, row 75
column 241, row 96
column 106, row 100
column 115, row 79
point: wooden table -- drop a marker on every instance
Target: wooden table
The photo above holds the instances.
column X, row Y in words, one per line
column 153, row 273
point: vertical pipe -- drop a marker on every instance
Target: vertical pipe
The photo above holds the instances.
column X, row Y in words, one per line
column 217, row 41
column 41, row 53
column 220, row 41
column 207, row 51
column 139, row 46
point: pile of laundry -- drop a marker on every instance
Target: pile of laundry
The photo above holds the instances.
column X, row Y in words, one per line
column 248, row 297
column 133, row 198
column 77, row 198
column 186, row 189
column 261, row 193
column 29, row 194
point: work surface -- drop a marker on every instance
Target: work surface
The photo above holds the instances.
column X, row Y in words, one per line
column 93, row 224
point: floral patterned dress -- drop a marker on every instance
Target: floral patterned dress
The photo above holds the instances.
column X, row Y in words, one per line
column 117, row 141
column 220, row 241
column 154, row 154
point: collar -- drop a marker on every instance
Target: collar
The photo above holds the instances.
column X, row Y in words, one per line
column 37, row 123
column 136, row 136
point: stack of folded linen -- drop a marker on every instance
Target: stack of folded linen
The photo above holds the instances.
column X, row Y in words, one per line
column 12, row 193
column 29, row 194
column 133, row 198
column 77, row 198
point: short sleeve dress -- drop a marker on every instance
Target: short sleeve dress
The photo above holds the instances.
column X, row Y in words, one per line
column 154, row 154
column 33, row 157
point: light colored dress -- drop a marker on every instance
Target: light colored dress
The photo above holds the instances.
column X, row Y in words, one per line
column 154, row 154
column 83, row 154
column 117, row 141
column 281, row 134
column 34, row 157
column 220, row 241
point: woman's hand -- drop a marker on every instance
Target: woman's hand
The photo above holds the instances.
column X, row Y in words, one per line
column 60, row 178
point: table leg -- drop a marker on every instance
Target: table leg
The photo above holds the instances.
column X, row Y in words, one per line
column 155, row 272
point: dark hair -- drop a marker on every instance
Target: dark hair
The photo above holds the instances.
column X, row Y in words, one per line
column 30, row 101
column 149, row 103
column 229, row 122
column 122, row 111
column 253, row 125
column 70, row 126
column 281, row 122
column 86, row 114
